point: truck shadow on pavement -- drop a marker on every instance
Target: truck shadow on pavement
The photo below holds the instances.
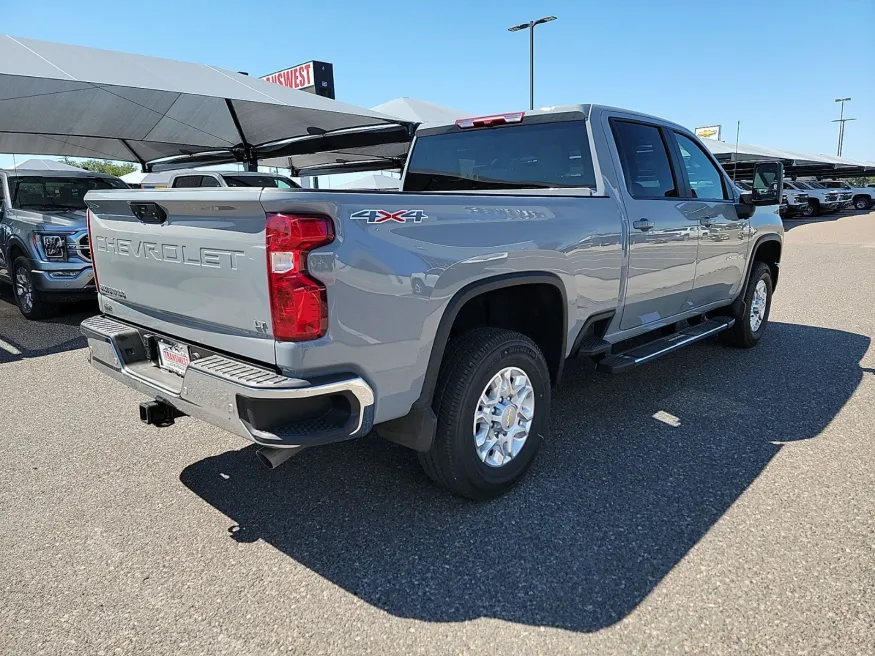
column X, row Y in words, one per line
column 34, row 339
column 614, row 502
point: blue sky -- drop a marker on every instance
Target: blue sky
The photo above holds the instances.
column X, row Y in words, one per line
column 776, row 66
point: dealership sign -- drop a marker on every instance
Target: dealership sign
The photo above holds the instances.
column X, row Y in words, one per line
column 315, row 77
column 709, row 132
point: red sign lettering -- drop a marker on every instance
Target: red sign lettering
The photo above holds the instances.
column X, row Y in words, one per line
column 297, row 77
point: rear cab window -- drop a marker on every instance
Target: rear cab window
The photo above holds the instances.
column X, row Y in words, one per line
column 271, row 181
column 552, row 155
column 187, row 181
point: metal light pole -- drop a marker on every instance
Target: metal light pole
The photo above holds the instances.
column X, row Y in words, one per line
column 531, row 27
column 841, row 121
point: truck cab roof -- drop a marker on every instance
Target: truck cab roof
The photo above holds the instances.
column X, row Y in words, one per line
column 557, row 113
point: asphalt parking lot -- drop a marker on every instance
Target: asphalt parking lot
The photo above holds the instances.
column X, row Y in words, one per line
column 749, row 527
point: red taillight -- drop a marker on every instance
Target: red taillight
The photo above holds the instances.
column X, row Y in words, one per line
column 489, row 121
column 298, row 304
column 91, row 249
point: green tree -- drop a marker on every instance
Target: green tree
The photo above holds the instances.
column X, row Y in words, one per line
column 861, row 181
column 117, row 169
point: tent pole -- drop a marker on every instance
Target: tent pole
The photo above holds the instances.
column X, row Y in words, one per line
column 139, row 159
column 250, row 158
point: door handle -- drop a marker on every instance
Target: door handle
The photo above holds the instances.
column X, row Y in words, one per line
column 642, row 224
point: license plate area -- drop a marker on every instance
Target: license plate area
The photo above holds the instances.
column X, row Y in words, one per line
column 173, row 356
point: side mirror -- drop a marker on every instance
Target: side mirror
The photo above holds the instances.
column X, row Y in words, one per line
column 768, row 183
column 744, row 209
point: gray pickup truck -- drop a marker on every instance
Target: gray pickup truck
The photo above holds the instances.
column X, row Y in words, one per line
column 44, row 252
column 442, row 314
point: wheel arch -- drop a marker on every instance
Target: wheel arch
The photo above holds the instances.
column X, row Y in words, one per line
column 767, row 249
column 416, row 429
column 15, row 248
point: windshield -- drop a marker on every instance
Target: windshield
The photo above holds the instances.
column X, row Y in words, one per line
column 537, row 156
column 816, row 185
column 275, row 181
column 47, row 193
column 801, row 185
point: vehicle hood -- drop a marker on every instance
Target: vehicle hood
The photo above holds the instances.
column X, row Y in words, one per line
column 71, row 219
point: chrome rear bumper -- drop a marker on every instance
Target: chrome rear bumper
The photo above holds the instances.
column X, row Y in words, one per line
column 248, row 400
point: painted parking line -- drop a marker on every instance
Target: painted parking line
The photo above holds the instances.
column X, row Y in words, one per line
column 6, row 346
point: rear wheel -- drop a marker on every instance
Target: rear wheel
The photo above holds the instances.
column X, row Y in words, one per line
column 752, row 316
column 492, row 403
column 30, row 300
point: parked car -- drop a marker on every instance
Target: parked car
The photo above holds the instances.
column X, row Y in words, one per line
column 791, row 204
column 820, row 201
column 250, row 314
column 44, row 249
column 845, row 197
column 192, row 178
column 863, row 197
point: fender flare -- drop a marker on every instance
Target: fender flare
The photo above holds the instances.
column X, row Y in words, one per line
column 737, row 305
column 15, row 242
column 416, row 429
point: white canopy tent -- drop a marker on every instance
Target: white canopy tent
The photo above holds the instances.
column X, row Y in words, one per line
column 374, row 157
column 43, row 165
column 419, row 111
column 58, row 99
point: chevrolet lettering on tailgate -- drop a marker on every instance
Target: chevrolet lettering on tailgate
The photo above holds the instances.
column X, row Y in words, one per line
column 208, row 257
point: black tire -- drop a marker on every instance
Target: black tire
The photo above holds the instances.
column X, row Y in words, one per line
column 810, row 209
column 472, row 359
column 36, row 307
column 862, row 203
column 741, row 335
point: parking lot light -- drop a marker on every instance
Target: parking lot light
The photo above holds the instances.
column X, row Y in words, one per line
column 531, row 27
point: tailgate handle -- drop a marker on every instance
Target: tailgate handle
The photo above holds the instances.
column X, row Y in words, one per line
column 149, row 212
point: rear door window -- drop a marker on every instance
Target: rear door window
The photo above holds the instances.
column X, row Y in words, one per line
column 645, row 160
column 524, row 156
column 209, row 181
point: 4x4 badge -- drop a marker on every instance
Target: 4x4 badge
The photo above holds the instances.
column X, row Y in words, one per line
column 384, row 216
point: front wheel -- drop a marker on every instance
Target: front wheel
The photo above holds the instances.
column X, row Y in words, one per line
column 492, row 403
column 862, row 203
column 752, row 317
column 809, row 210
column 30, row 300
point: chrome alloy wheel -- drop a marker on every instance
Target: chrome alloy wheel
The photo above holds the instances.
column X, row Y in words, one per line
column 504, row 416
column 24, row 289
column 758, row 305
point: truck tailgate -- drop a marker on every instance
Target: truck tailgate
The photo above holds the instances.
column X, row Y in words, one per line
column 200, row 276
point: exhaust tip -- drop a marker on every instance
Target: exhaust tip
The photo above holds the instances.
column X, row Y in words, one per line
column 272, row 457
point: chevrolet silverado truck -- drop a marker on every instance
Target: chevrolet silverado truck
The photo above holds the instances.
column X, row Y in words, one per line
column 442, row 314
column 862, row 197
column 792, row 203
column 44, row 251
column 195, row 178
column 820, row 201
column 845, row 197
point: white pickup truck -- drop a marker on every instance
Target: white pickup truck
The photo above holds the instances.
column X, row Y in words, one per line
column 862, row 197
column 820, row 201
